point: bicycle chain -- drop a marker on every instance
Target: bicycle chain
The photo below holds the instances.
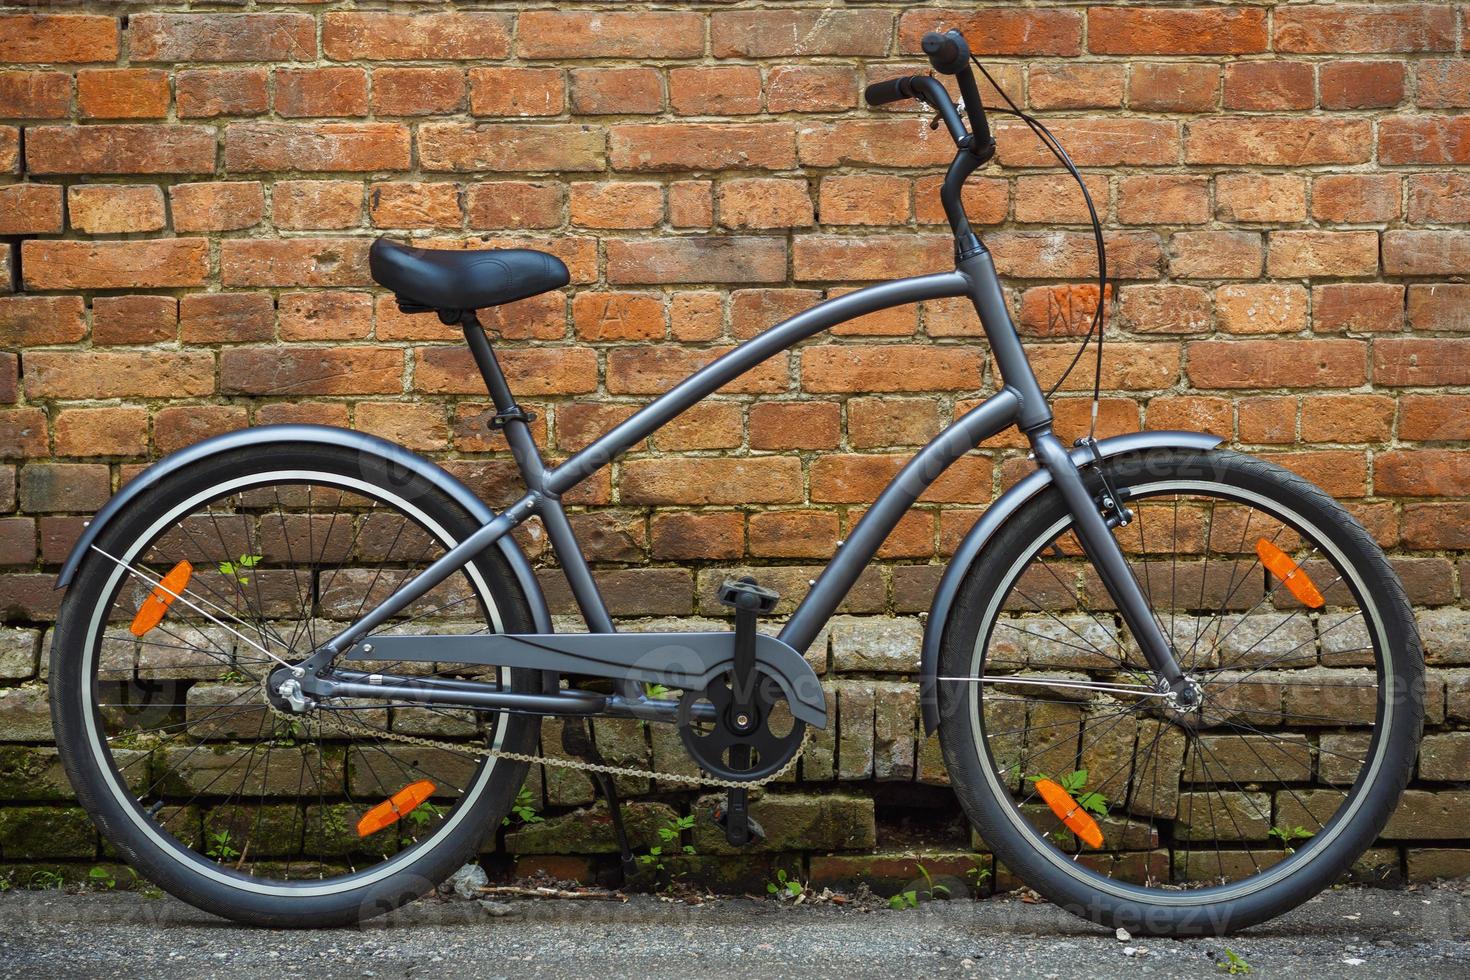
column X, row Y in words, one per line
column 579, row 764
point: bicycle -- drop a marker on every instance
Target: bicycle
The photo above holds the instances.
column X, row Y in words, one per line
column 1203, row 689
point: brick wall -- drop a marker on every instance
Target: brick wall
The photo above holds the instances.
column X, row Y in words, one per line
column 187, row 196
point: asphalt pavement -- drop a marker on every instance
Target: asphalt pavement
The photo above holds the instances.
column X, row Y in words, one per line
column 1346, row 933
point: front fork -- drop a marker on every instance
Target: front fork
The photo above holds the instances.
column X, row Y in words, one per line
column 1107, row 557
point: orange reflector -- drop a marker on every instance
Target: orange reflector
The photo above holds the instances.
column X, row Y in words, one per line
column 1278, row 563
column 395, row 807
column 1078, row 820
column 150, row 613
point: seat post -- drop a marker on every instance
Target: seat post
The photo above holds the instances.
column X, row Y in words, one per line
column 510, row 418
column 484, row 356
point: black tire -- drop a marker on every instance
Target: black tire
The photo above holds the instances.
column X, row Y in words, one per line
column 1221, row 908
column 185, row 873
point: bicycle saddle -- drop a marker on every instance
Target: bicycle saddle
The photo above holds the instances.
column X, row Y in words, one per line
column 454, row 279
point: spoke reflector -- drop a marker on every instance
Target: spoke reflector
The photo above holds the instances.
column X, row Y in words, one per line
column 172, row 585
column 395, row 807
column 1278, row 563
column 1070, row 812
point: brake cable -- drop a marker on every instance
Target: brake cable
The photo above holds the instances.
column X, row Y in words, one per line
column 1096, row 327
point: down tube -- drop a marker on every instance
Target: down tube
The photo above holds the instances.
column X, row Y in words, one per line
column 975, row 426
column 724, row 369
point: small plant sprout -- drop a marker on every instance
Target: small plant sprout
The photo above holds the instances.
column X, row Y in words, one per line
column 235, row 568
column 523, row 810
column 100, row 877
column 218, row 846
column 785, row 886
column 910, row 898
column 1288, row 834
column 422, row 813
column 656, row 691
column 668, row 836
column 1232, row 963
column 1074, row 783
column 46, row 880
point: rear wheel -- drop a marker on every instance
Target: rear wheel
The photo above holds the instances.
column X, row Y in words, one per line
column 219, row 791
column 1134, row 809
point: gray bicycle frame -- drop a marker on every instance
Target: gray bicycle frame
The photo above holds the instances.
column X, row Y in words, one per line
column 1019, row 402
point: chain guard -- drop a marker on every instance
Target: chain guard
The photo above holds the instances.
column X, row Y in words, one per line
column 713, row 745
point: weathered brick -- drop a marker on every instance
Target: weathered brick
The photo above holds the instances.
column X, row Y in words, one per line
column 222, row 37
column 378, row 36
column 701, row 146
column 57, row 38
column 337, row 91
column 134, row 319
column 998, row 30
column 118, row 374
column 1377, row 306
column 762, row 480
column 713, row 259
column 1332, row 29
column 115, row 265
column 617, row 91
column 414, row 205
column 1267, row 85
column 1323, row 253
column 1426, row 253
column 1201, row 30
column 310, row 371
column 1361, row 84
column 717, row 90
column 784, row 33
column 1182, row 87
column 262, row 146
column 517, row 91
column 112, row 209
column 120, row 149
column 294, row 262
column 1278, row 141
column 509, row 147
column 122, row 93
column 1277, row 363
column 102, row 432
column 30, row 209
column 207, row 93
column 35, row 94
column 217, row 205
column 211, row 318
column 587, row 34
column 1424, row 139
column 417, row 91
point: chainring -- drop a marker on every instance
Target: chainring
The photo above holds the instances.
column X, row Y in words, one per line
column 718, row 745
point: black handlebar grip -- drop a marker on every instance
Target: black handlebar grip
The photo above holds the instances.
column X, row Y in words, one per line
column 893, row 90
column 948, row 52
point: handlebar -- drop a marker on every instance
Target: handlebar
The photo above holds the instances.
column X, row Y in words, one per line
column 949, row 54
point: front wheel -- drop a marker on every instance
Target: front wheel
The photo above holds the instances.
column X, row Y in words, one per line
column 1163, row 814
column 208, row 782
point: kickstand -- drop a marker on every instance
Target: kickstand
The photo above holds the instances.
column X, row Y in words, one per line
column 576, row 739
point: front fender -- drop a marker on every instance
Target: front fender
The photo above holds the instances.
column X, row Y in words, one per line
column 396, row 457
column 996, row 515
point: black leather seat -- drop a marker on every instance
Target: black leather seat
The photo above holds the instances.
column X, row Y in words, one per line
column 452, row 279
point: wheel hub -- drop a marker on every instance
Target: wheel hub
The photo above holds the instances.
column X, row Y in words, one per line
column 283, row 691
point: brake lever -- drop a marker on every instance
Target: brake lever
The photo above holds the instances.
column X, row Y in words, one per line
column 934, row 123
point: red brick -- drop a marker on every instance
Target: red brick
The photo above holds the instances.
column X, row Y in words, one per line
column 998, row 30
column 1258, row 85
column 1375, row 306
column 579, row 424
column 603, row 34
column 810, row 88
column 300, row 205
column 795, row 425
column 1058, row 311
column 212, row 318
column 793, row 534
column 1107, row 141
column 1347, row 418
column 120, row 149
column 867, row 142
column 325, row 315
column 310, row 371
column 885, row 367
column 35, row 94
column 1277, row 363
column 221, row 37
column 176, row 427
column 450, row 36
column 338, row 91
column 122, row 93
column 32, row 321
column 617, row 91
column 624, row 204
column 691, row 204
column 417, row 91
column 259, row 146
column 1426, row 253
column 1443, row 84
column 102, row 432
column 9, row 149
column 716, row 90
column 1163, row 200
column 531, row 371
column 119, row 374
column 1278, row 142
column 307, row 412
column 1432, row 526
column 864, row 199
column 1165, row 308
column 600, row 316
column 1424, row 139
column 1253, row 198
column 23, row 433
column 900, row 321
column 1341, row 473
column 1183, row 87
column 692, row 536
column 757, row 202
column 1323, row 253
column 713, row 259
column 859, row 479
column 1355, row 198
column 1076, row 86
column 1335, row 29
column 696, row 315
column 1261, row 308
column 294, row 262
column 57, row 38
column 112, row 209
column 419, row 427
column 1439, row 198
column 1215, row 254
column 1421, row 472
column 709, row 425
column 786, row 33
column 516, row 204
column 156, row 264
column 414, row 205
column 1267, row 420
column 1198, row 30
column 874, row 423
column 702, row 146
column 648, row 369
column 1073, row 255
column 1191, row 413
column 754, row 310
column 30, row 209
column 217, row 205
column 757, row 480
column 134, row 319
column 509, row 147
column 517, row 91
column 1439, row 307
column 830, row 258
column 1361, row 84
column 221, row 92
column 1436, row 417
column 1055, row 199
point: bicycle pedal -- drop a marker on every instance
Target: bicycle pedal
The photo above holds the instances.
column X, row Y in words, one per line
column 756, row 834
column 745, row 593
